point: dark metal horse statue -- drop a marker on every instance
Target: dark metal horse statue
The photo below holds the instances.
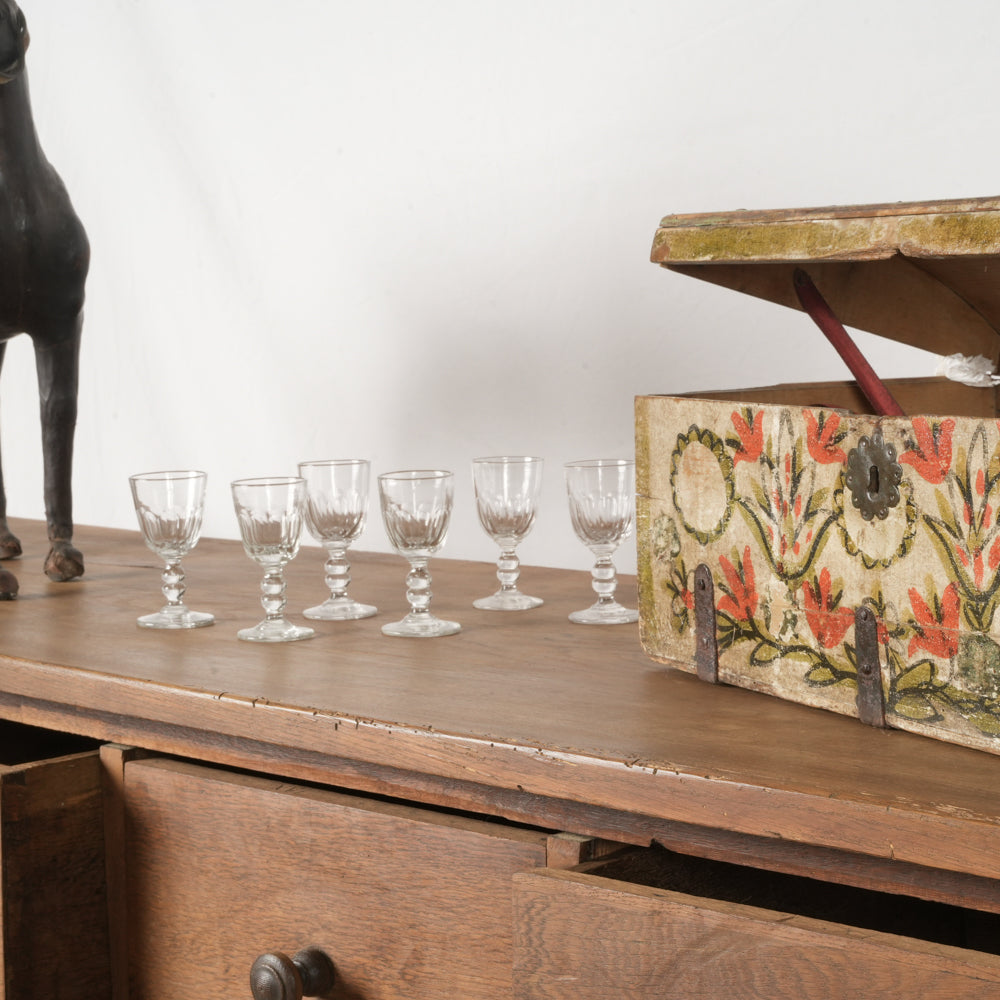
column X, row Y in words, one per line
column 44, row 257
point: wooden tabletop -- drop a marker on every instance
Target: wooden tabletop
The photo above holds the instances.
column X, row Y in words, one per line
column 518, row 702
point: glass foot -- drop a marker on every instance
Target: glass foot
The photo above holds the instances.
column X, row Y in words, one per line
column 507, row 600
column 421, row 626
column 276, row 630
column 176, row 617
column 605, row 613
column 340, row 609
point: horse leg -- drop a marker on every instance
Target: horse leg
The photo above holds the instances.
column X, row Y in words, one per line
column 10, row 547
column 57, row 362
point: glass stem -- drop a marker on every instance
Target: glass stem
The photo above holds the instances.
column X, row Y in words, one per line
column 338, row 571
column 172, row 585
column 508, row 570
column 418, row 587
column 603, row 577
column 272, row 591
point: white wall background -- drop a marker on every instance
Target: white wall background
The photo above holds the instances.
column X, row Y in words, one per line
column 418, row 230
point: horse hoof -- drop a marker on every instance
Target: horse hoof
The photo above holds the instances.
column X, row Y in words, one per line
column 8, row 585
column 10, row 547
column 64, row 563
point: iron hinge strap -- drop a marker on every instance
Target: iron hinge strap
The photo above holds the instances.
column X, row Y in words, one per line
column 870, row 698
column 706, row 656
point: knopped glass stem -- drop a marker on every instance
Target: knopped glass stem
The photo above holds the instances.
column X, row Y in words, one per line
column 275, row 627
column 173, row 587
column 604, row 579
column 605, row 610
column 508, row 597
column 420, row 622
column 338, row 606
column 338, row 572
column 508, row 570
column 272, row 594
column 418, row 589
column 175, row 613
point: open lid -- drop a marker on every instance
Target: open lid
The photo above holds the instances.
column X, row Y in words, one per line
column 926, row 274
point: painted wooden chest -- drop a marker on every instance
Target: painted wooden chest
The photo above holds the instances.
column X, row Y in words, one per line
column 793, row 543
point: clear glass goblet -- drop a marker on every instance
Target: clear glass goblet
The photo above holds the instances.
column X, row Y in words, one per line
column 270, row 512
column 416, row 510
column 336, row 510
column 507, row 490
column 169, row 508
column 602, row 507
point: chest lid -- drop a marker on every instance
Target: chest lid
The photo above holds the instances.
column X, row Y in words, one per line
column 921, row 273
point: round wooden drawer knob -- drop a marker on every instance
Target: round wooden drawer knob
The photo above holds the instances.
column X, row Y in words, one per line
column 275, row 976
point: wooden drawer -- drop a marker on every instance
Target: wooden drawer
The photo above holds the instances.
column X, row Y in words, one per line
column 653, row 924
column 222, row 867
column 54, row 918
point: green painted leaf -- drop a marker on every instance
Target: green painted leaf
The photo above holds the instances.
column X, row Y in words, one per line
column 986, row 723
column 921, row 675
column 947, row 513
column 821, row 676
column 917, row 707
column 765, row 654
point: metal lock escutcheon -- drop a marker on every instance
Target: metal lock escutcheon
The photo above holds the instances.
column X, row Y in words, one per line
column 873, row 476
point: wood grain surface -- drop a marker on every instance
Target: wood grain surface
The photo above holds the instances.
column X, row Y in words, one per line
column 524, row 704
column 408, row 903
column 54, row 913
column 581, row 937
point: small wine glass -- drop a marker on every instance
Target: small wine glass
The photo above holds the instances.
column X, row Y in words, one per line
column 416, row 509
column 169, row 508
column 507, row 491
column 602, row 508
column 269, row 511
column 336, row 510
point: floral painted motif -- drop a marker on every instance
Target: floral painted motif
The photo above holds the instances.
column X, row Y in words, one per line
column 892, row 539
column 828, row 621
column 966, row 531
column 785, row 508
column 740, row 592
column 666, row 550
column 930, row 453
column 701, row 477
column 935, row 627
column 823, row 437
column 750, row 428
column 793, row 568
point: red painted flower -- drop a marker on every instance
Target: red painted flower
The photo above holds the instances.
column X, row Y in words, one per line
column 994, row 556
column 932, row 455
column 937, row 627
column 740, row 598
column 751, row 436
column 828, row 622
column 823, row 439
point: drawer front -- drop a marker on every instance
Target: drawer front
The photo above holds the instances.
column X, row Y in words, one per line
column 223, row 867
column 53, row 918
column 582, row 937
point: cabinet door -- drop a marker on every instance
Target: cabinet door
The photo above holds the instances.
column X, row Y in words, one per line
column 223, row 867
column 584, row 937
column 53, row 918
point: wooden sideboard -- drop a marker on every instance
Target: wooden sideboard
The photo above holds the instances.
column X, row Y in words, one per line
column 529, row 809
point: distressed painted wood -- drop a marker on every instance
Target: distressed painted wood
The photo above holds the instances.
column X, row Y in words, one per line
column 756, row 485
column 759, row 494
column 926, row 274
